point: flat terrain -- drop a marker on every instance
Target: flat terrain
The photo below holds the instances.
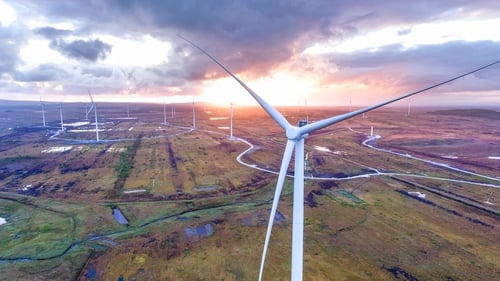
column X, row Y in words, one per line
column 195, row 213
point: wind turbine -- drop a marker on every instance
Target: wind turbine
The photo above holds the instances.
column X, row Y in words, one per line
column 305, row 111
column 94, row 106
column 61, row 115
column 409, row 107
column 43, row 112
column 194, row 116
column 164, row 114
column 296, row 136
column 231, row 120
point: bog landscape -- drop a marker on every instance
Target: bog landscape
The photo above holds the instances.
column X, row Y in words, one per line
column 184, row 191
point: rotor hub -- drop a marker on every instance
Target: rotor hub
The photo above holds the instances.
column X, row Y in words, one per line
column 293, row 133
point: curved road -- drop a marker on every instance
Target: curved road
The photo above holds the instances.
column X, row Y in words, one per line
column 375, row 171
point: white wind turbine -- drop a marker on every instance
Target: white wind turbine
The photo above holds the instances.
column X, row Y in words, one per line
column 61, row 115
column 296, row 136
column 43, row 112
column 194, row 116
column 164, row 114
column 94, row 106
column 409, row 107
column 231, row 120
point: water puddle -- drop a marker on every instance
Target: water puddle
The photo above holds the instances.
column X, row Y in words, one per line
column 119, row 217
column 218, row 118
column 56, row 149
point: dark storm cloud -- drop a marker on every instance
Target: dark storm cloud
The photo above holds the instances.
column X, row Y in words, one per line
column 237, row 31
column 91, row 50
column 252, row 36
column 42, row 73
column 51, row 33
column 256, row 36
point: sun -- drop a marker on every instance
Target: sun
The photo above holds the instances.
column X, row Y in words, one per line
column 279, row 89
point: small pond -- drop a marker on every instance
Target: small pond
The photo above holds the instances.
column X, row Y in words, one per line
column 119, row 217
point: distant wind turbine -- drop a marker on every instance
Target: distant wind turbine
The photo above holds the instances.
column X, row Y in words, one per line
column 61, row 115
column 194, row 116
column 296, row 136
column 409, row 107
column 164, row 114
column 305, row 109
column 94, row 106
column 231, row 120
column 43, row 112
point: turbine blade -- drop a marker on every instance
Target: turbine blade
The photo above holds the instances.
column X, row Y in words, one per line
column 335, row 119
column 287, row 155
column 275, row 115
column 91, row 99
column 90, row 109
column 92, row 104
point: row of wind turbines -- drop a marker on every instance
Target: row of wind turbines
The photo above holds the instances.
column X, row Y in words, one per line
column 93, row 107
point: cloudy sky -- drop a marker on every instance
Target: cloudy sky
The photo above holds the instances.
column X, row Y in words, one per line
column 324, row 51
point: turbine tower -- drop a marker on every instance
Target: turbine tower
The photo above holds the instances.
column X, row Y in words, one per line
column 61, row 115
column 43, row 112
column 94, row 106
column 231, row 120
column 164, row 114
column 296, row 136
column 409, row 107
column 305, row 109
column 194, row 116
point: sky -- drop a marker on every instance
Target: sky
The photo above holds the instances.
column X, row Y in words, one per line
column 291, row 52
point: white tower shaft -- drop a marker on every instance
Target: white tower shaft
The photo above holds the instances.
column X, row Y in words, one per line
column 43, row 113
column 231, row 120
column 298, row 213
column 96, row 123
column 194, row 116
column 61, row 115
column 164, row 114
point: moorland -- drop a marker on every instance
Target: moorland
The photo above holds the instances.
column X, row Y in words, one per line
column 194, row 201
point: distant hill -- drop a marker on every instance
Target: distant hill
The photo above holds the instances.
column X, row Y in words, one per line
column 9, row 103
column 481, row 113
